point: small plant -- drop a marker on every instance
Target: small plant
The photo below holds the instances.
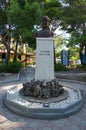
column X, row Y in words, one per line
column 34, row 62
column 73, row 65
column 60, row 67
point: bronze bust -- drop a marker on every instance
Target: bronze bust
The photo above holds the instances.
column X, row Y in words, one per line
column 45, row 31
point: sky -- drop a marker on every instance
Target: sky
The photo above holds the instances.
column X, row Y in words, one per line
column 59, row 32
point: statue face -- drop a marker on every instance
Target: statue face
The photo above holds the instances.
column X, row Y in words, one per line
column 45, row 22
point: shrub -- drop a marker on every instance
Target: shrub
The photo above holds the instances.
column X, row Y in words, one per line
column 60, row 67
column 81, row 67
column 14, row 67
column 11, row 67
column 2, row 67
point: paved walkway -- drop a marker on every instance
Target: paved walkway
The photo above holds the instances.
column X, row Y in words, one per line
column 12, row 121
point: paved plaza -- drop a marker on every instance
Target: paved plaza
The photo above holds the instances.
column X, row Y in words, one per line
column 12, row 121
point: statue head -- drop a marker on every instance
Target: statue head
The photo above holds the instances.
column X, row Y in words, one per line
column 45, row 22
column 45, row 31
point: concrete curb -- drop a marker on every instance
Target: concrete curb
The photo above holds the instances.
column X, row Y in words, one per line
column 14, row 79
column 59, row 79
column 69, row 80
column 11, row 80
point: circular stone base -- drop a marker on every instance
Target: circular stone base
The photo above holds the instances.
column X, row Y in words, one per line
column 44, row 110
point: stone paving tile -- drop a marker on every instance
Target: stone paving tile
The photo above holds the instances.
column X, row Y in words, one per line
column 47, row 128
column 65, row 128
column 74, row 127
column 18, row 128
column 7, row 128
column 61, row 122
column 83, row 123
column 2, row 119
column 83, row 127
column 51, row 124
column 28, row 128
column 56, row 128
column 33, row 124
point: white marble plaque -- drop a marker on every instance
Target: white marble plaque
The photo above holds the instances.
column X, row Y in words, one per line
column 44, row 59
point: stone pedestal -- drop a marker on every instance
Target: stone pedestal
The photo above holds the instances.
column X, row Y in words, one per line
column 44, row 59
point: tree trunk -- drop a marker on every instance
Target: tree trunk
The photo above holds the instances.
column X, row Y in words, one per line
column 8, row 53
column 85, row 49
column 80, row 53
column 15, row 52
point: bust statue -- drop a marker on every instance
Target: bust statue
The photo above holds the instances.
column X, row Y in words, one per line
column 45, row 31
